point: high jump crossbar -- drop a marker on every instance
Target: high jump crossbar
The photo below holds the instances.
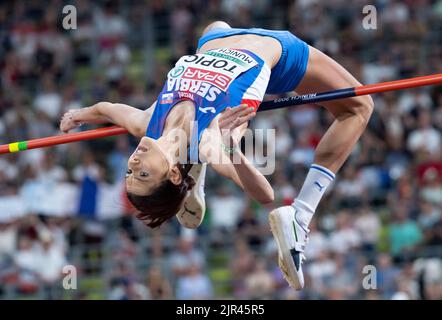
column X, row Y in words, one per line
column 428, row 80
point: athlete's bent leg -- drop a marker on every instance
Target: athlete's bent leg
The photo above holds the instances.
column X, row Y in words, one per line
column 290, row 224
column 351, row 114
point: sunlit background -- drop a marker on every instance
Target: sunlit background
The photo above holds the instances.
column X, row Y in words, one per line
column 64, row 205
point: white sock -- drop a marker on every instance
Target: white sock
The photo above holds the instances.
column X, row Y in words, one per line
column 316, row 183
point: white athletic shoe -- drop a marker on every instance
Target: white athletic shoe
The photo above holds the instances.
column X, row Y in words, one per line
column 291, row 239
column 194, row 208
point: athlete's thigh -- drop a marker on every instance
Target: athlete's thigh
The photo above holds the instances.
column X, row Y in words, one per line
column 325, row 74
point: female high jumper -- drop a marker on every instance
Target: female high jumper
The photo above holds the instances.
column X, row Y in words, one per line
column 202, row 113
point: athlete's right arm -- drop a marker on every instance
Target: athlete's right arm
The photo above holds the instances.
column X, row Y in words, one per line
column 123, row 115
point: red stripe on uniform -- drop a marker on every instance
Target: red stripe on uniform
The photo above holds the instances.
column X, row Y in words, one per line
column 251, row 103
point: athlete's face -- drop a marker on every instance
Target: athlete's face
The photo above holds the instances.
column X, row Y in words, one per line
column 147, row 168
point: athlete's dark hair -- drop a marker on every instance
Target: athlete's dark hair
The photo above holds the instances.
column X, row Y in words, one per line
column 164, row 202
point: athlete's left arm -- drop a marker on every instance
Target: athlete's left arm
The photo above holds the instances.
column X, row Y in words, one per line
column 234, row 165
column 250, row 179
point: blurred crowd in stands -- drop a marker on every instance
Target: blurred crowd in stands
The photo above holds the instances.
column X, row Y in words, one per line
column 64, row 205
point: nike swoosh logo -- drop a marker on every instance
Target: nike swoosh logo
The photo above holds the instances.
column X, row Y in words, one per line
column 296, row 258
column 190, row 211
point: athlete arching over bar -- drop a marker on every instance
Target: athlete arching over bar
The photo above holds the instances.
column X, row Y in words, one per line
column 232, row 67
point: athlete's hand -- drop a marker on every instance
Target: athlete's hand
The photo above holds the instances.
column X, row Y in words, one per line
column 70, row 120
column 231, row 119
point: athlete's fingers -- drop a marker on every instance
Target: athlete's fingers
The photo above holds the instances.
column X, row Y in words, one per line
column 228, row 115
column 240, row 110
column 245, row 112
column 67, row 123
column 229, row 124
column 238, row 121
column 241, row 120
column 227, row 120
column 226, row 125
column 234, row 113
column 65, row 127
column 244, row 119
column 225, row 114
column 242, row 116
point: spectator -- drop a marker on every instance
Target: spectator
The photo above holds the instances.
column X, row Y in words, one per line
column 8, row 239
column 51, row 261
column 320, row 271
column 435, row 238
column 428, row 216
column 402, row 293
column 70, row 99
column 425, row 138
column 284, row 191
column 351, row 187
column 194, row 285
column 340, row 285
column 346, row 237
column 122, row 246
column 406, row 284
column 124, row 283
column 158, row 285
column 88, row 168
column 318, row 242
column 303, row 151
column 239, row 267
column 49, row 171
column 368, row 225
column 404, row 233
column 225, row 209
column 26, row 260
column 248, row 228
column 157, row 250
column 48, row 100
column 129, row 289
column 186, row 256
column 429, row 272
column 259, row 283
column 413, row 98
column 387, row 275
column 431, row 190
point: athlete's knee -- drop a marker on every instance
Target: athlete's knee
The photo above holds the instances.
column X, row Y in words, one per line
column 360, row 107
column 365, row 108
column 216, row 25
